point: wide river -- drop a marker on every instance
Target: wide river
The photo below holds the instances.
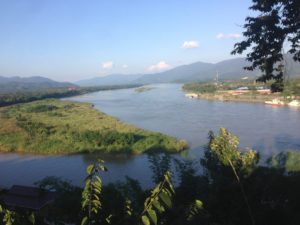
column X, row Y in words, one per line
column 265, row 128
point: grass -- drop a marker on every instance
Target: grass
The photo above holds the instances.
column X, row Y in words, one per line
column 63, row 127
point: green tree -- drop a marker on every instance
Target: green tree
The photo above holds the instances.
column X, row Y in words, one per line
column 277, row 22
column 159, row 199
column 10, row 217
column 91, row 194
column 225, row 148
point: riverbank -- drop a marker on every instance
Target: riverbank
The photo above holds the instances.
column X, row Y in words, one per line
column 243, row 91
column 11, row 98
column 65, row 127
column 244, row 97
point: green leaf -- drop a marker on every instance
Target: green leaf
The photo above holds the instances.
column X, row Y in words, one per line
column 84, row 220
column 31, row 218
column 108, row 219
column 158, row 206
column 152, row 215
column 103, row 168
column 156, row 189
column 90, row 169
column 145, row 220
column 198, row 204
column 166, row 199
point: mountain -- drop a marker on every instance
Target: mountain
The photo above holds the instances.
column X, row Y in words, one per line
column 178, row 74
column 15, row 84
column 199, row 71
column 227, row 69
column 113, row 79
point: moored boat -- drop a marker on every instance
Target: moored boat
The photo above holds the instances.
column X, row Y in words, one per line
column 294, row 103
column 275, row 102
column 191, row 95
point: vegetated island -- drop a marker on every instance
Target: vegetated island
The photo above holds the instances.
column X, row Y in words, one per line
column 64, row 127
column 243, row 91
column 143, row 89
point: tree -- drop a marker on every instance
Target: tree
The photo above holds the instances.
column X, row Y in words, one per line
column 225, row 148
column 277, row 23
column 91, row 194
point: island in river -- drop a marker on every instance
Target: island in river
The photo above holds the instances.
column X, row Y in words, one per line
column 65, row 127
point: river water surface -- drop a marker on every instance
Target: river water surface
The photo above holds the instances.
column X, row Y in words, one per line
column 265, row 128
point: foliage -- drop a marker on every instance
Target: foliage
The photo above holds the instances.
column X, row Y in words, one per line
column 14, row 97
column 200, row 87
column 8, row 216
column 159, row 164
column 289, row 161
column 158, row 201
column 277, row 22
column 292, row 88
column 225, row 147
column 53, row 126
column 271, row 192
column 67, row 206
column 11, row 217
column 91, row 203
column 195, row 209
column 143, row 89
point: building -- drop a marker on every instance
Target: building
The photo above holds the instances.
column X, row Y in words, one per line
column 28, row 198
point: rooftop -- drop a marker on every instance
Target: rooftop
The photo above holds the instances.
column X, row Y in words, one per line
column 27, row 197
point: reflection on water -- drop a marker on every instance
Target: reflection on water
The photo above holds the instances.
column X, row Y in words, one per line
column 165, row 109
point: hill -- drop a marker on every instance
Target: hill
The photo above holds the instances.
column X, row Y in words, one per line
column 227, row 69
column 178, row 74
column 198, row 71
column 23, row 84
column 113, row 79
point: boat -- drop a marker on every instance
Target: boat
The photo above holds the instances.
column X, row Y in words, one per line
column 294, row 103
column 191, row 95
column 275, row 102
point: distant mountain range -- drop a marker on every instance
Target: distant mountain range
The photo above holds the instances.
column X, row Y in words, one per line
column 113, row 79
column 199, row 71
column 15, row 84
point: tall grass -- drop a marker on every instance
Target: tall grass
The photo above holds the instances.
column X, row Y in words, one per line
column 54, row 126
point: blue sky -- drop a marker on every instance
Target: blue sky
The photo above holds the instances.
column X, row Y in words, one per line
column 77, row 39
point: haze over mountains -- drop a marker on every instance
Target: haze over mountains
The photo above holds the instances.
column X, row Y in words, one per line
column 15, row 84
column 199, row 71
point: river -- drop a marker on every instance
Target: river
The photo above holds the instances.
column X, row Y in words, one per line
column 164, row 108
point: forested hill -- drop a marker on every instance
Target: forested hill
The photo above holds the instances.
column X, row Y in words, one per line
column 227, row 69
column 20, row 84
column 198, row 71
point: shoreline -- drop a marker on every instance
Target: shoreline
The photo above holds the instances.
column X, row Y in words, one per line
column 246, row 98
column 56, row 127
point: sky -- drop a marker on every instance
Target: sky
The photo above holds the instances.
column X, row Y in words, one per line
column 70, row 40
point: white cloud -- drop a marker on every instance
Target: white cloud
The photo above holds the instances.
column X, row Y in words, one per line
column 162, row 65
column 125, row 66
column 228, row 36
column 107, row 65
column 190, row 44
